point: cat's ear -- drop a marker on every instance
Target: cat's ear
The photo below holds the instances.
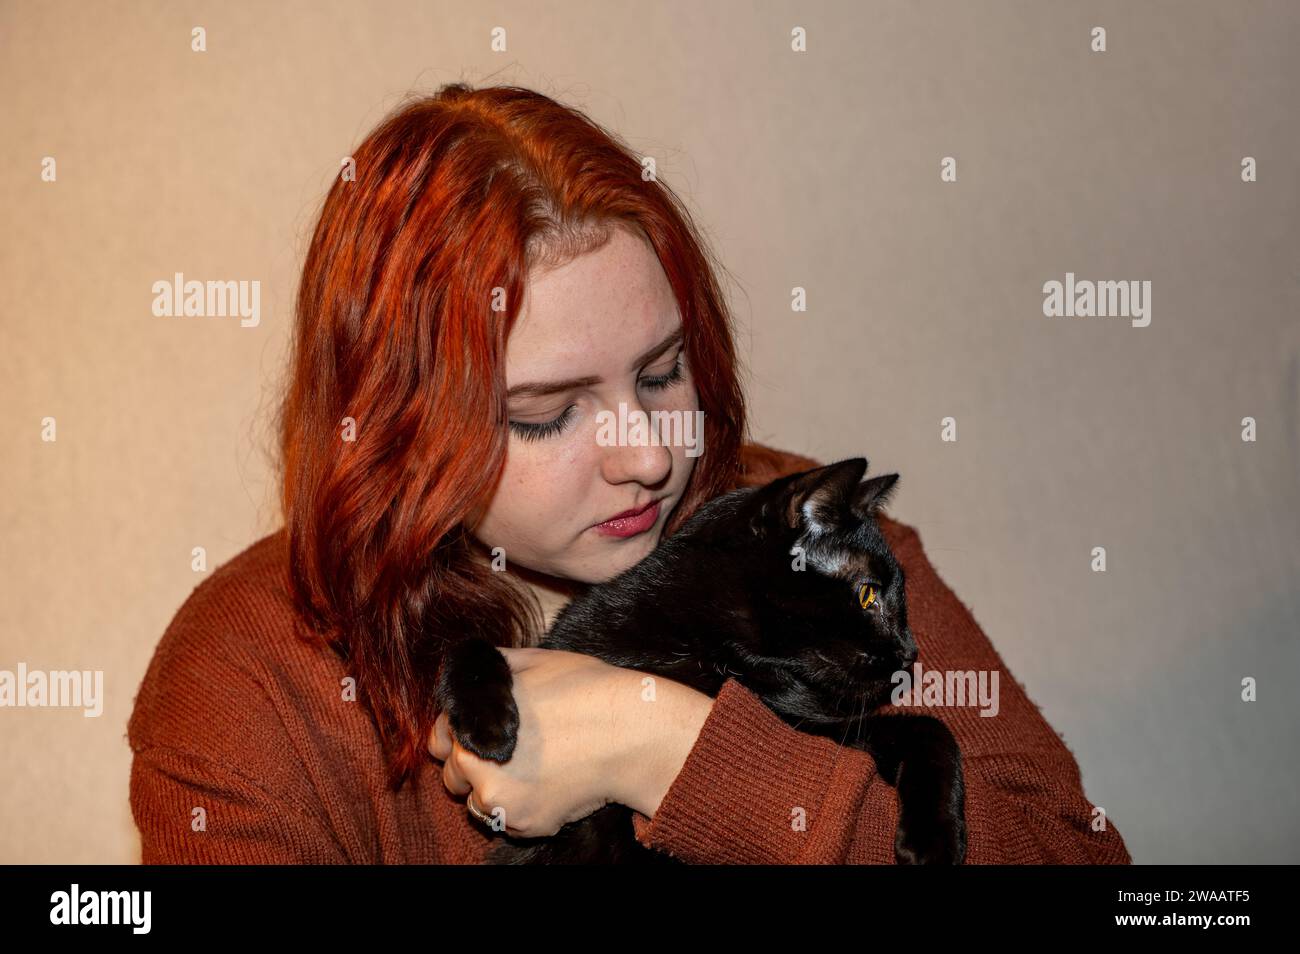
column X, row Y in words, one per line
column 873, row 494
column 820, row 498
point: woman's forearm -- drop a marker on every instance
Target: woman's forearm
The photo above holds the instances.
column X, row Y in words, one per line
column 659, row 720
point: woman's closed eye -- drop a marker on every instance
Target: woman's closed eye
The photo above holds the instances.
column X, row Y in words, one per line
column 664, row 381
column 537, row 432
column 540, row 431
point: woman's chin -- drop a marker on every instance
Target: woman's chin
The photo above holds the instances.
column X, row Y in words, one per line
column 627, row 553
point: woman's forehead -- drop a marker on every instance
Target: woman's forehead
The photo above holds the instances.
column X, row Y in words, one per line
column 621, row 277
column 593, row 315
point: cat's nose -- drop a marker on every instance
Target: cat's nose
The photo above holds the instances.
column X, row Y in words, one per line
column 908, row 649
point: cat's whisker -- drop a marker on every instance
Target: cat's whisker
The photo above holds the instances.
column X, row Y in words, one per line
column 848, row 724
column 855, row 722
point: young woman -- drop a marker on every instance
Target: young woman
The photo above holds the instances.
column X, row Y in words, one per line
column 497, row 272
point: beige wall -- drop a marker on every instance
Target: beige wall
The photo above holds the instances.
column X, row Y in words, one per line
column 816, row 169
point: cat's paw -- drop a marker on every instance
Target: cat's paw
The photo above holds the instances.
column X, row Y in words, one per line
column 939, row 841
column 487, row 727
column 475, row 690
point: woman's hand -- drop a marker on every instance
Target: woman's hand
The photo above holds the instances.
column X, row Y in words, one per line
column 563, row 757
column 589, row 734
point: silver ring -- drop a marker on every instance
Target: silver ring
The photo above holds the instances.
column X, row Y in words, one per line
column 469, row 803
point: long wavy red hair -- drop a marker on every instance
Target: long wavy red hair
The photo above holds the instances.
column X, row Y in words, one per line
column 393, row 424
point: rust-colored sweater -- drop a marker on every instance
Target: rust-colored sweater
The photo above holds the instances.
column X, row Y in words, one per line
column 248, row 751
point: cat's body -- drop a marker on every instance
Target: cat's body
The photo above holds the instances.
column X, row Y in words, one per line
column 790, row 589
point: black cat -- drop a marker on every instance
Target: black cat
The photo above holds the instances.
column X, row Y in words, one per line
column 723, row 597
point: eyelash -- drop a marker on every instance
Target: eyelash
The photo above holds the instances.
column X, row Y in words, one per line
column 664, row 381
column 537, row 432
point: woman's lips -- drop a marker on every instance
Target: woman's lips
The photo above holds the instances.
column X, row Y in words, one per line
column 630, row 526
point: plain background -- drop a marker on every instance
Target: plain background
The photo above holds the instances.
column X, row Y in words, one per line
column 817, row 170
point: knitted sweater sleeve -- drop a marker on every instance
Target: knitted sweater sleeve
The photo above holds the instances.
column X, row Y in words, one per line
column 755, row 790
column 191, row 810
column 215, row 775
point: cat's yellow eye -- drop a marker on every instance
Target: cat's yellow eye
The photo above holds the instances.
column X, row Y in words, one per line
column 867, row 595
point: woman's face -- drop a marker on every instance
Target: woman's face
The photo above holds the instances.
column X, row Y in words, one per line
column 609, row 318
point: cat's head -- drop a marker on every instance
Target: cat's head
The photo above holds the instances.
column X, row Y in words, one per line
column 825, row 593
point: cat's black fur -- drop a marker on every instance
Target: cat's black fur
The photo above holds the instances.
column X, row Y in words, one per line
column 721, row 598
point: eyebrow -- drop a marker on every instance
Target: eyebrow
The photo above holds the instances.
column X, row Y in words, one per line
column 541, row 389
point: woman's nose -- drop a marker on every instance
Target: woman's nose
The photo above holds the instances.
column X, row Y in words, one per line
column 634, row 450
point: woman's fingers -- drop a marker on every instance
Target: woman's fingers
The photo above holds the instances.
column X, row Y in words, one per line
column 524, row 657
column 448, row 751
column 453, row 775
column 440, row 738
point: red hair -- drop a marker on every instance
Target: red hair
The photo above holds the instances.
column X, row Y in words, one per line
column 456, row 195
